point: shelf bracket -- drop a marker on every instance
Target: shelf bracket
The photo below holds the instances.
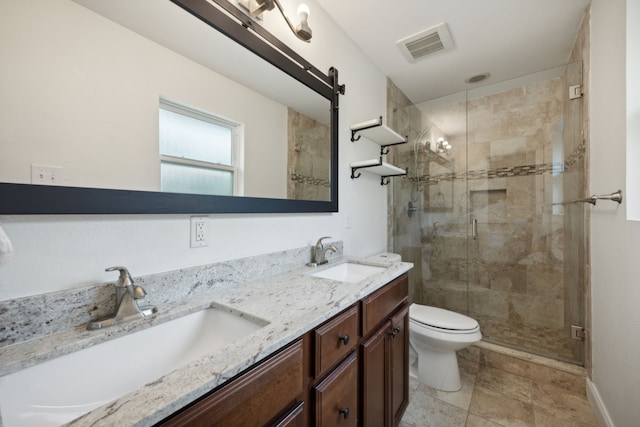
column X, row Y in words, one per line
column 354, row 169
column 384, row 180
column 355, row 131
column 384, row 149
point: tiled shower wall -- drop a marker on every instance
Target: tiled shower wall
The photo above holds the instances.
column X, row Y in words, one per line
column 309, row 158
column 505, row 172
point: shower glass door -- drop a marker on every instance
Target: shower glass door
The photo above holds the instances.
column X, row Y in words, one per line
column 489, row 177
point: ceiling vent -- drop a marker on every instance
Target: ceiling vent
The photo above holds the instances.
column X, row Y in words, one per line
column 427, row 42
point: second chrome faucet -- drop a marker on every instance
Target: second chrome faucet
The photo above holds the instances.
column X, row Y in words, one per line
column 319, row 252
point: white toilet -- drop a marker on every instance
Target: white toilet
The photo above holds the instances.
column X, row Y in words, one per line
column 435, row 335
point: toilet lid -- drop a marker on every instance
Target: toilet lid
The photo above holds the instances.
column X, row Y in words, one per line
column 440, row 318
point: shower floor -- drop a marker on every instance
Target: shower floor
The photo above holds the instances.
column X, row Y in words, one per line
column 501, row 390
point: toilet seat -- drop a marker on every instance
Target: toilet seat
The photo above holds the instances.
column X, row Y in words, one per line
column 441, row 319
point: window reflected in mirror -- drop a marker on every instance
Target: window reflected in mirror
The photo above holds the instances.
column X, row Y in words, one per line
column 199, row 152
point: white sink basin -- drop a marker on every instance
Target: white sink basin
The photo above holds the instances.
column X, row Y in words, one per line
column 62, row 389
column 349, row 272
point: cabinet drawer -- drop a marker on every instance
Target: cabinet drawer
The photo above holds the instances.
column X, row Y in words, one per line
column 255, row 398
column 294, row 418
column 337, row 396
column 335, row 339
column 378, row 307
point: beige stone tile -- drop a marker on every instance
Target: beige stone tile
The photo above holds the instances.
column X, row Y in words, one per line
column 542, row 311
column 563, row 403
column 505, row 363
column 469, row 359
column 566, row 380
column 499, row 381
column 501, row 408
column 470, row 353
column 546, row 418
column 460, row 398
column 476, row 421
column 427, row 411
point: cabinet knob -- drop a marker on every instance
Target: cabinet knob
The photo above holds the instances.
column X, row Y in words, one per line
column 344, row 412
column 395, row 331
column 345, row 340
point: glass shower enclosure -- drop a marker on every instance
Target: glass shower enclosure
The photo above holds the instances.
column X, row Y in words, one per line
column 483, row 212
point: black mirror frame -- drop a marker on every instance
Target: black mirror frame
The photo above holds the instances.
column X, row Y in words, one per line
column 27, row 199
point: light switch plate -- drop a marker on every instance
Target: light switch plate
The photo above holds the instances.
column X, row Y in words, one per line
column 46, row 175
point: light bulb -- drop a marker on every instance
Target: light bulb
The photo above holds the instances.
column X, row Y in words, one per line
column 303, row 8
column 302, row 30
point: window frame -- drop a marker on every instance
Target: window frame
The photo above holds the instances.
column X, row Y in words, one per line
column 237, row 143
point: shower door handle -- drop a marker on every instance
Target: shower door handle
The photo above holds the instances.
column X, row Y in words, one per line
column 474, row 229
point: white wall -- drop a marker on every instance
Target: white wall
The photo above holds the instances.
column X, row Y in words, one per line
column 58, row 252
column 85, row 97
column 615, row 248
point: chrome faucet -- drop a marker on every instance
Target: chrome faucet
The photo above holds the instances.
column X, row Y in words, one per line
column 127, row 307
column 319, row 252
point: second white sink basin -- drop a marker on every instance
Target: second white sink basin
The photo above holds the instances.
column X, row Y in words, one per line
column 349, row 272
column 62, row 389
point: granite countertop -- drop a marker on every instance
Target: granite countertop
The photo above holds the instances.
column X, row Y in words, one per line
column 293, row 303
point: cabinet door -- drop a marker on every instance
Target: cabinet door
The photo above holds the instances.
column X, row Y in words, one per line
column 337, row 396
column 253, row 399
column 374, row 353
column 399, row 363
column 377, row 307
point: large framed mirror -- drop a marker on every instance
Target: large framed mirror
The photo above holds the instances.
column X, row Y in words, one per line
column 95, row 94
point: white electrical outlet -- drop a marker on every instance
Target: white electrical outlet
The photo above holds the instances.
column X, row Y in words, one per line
column 199, row 230
column 46, row 175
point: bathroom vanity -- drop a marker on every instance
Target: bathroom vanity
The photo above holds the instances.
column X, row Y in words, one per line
column 319, row 349
column 351, row 370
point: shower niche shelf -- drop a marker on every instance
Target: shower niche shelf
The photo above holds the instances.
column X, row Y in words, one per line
column 378, row 133
column 376, row 167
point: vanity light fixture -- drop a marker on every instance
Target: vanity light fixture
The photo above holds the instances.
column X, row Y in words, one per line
column 443, row 146
column 257, row 7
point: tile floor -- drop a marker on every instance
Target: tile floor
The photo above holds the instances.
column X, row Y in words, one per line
column 502, row 390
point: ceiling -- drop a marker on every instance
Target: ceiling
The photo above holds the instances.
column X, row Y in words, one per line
column 506, row 38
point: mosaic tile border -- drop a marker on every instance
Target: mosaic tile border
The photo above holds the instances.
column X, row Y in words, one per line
column 303, row 179
column 505, row 172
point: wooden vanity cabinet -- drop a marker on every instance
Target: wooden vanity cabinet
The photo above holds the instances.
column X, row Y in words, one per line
column 384, row 354
column 269, row 394
column 333, row 385
column 336, row 396
column 335, row 339
column 350, row 371
column 293, row 418
column 399, row 364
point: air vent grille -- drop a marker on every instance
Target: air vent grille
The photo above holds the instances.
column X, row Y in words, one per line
column 427, row 42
